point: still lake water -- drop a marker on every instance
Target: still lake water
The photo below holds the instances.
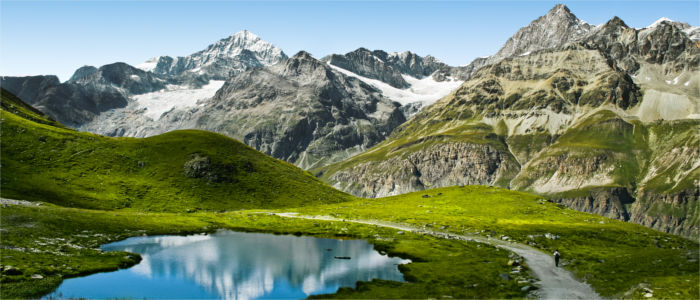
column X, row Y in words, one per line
column 235, row 265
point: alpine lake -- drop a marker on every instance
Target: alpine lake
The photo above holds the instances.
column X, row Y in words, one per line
column 235, row 265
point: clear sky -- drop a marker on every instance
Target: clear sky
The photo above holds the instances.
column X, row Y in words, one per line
column 57, row 37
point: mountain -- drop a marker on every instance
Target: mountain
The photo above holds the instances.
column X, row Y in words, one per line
column 221, row 60
column 302, row 111
column 368, row 64
column 405, row 77
column 693, row 32
column 606, row 123
column 556, row 28
column 177, row 171
column 92, row 91
column 327, row 115
column 130, row 80
column 69, row 103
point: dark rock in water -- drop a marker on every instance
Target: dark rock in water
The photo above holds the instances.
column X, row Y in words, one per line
column 342, row 257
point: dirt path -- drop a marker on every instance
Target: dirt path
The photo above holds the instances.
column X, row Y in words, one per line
column 554, row 283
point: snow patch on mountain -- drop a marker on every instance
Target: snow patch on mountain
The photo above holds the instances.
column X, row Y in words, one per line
column 178, row 97
column 659, row 21
column 426, row 90
column 148, row 65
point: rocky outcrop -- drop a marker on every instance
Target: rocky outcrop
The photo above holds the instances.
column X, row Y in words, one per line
column 200, row 166
column 442, row 165
column 608, row 202
column 675, row 213
column 665, row 44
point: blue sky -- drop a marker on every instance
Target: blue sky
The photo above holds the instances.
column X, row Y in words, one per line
column 57, row 37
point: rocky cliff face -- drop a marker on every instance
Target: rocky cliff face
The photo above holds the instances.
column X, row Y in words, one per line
column 130, row 80
column 68, row 103
column 389, row 67
column 28, row 88
column 578, row 119
column 675, row 213
column 608, row 202
column 455, row 163
column 369, row 64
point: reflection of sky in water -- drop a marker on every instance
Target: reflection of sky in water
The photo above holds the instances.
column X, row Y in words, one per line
column 235, row 265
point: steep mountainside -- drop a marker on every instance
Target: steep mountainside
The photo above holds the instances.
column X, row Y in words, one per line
column 581, row 123
column 69, row 103
column 405, row 77
column 181, row 170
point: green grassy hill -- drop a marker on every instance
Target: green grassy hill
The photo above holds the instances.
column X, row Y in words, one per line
column 177, row 171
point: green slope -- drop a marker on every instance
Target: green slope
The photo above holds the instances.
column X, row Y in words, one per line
column 176, row 171
column 618, row 259
column 13, row 104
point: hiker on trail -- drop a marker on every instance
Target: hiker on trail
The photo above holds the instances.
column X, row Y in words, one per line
column 556, row 257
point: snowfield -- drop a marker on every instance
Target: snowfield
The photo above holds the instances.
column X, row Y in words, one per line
column 425, row 91
column 159, row 102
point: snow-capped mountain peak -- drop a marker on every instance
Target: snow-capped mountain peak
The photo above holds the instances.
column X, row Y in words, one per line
column 233, row 45
column 222, row 59
column 659, row 21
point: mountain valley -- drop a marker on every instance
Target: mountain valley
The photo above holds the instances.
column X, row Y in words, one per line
column 572, row 137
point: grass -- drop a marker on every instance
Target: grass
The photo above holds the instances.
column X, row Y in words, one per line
column 176, row 171
column 613, row 256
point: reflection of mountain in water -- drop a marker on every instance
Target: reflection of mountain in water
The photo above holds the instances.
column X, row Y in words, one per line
column 235, row 265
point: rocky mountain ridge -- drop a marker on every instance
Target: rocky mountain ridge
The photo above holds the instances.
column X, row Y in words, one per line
column 579, row 123
column 300, row 110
